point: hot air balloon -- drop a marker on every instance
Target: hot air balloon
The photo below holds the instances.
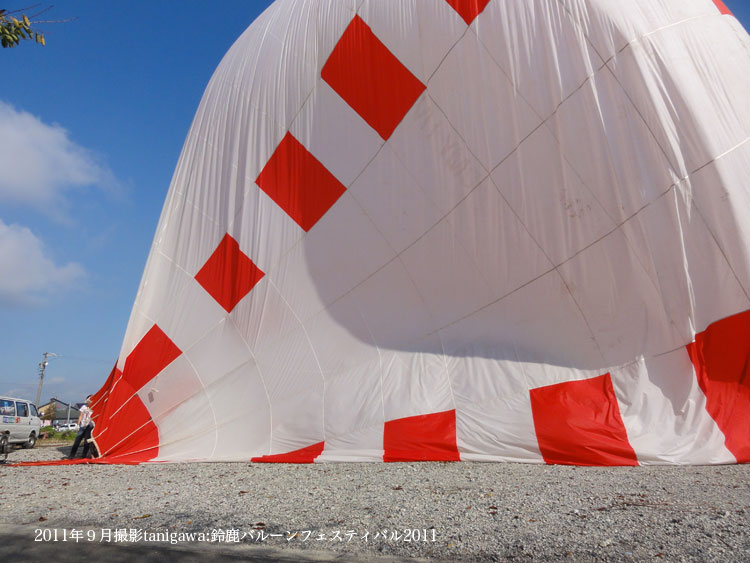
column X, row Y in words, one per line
column 453, row 230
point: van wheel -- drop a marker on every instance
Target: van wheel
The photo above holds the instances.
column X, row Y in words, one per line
column 31, row 442
column 3, row 447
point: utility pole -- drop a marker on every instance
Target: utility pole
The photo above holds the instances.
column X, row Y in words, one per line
column 42, row 367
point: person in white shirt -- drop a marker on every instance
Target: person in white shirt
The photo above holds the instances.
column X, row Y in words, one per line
column 85, row 426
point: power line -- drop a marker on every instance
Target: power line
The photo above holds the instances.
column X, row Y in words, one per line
column 84, row 359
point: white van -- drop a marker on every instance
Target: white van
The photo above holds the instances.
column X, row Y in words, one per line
column 19, row 422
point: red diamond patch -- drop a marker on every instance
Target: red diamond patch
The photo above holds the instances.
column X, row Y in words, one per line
column 427, row 437
column 371, row 79
column 721, row 356
column 299, row 183
column 229, row 274
column 579, row 423
column 722, row 7
column 130, row 430
column 303, row 455
column 468, row 9
column 152, row 354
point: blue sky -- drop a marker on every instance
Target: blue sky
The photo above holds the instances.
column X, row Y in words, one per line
column 103, row 109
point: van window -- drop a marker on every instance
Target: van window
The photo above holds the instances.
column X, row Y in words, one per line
column 33, row 410
column 7, row 408
column 22, row 409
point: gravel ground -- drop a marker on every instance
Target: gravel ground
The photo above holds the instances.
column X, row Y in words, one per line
column 472, row 511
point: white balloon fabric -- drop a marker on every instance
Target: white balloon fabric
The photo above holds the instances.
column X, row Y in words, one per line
column 489, row 230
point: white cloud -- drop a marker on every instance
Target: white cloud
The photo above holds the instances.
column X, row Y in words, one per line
column 40, row 163
column 28, row 274
column 22, row 392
